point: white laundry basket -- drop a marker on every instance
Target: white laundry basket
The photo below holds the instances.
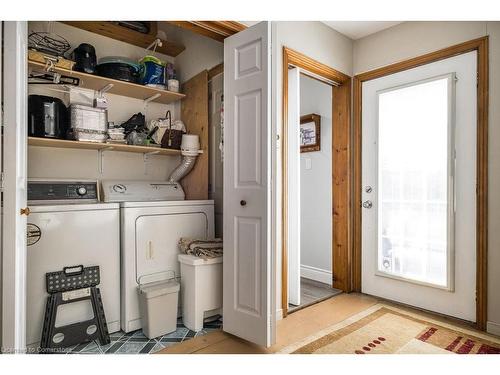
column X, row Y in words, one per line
column 158, row 303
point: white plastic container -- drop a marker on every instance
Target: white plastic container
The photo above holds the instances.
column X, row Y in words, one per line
column 173, row 85
column 158, row 303
column 201, row 289
column 89, row 124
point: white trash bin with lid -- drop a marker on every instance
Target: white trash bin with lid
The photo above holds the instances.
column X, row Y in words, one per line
column 158, row 302
column 201, row 290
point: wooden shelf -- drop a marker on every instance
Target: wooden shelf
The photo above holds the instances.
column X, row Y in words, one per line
column 63, row 143
column 132, row 90
column 114, row 31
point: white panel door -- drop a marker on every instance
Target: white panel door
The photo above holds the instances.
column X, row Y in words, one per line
column 293, row 171
column 14, row 82
column 248, row 287
column 419, row 181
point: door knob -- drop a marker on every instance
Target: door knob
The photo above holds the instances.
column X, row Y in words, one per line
column 367, row 204
column 25, row 211
column 243, row 203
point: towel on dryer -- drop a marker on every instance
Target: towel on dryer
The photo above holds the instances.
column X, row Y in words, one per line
column 203, row 248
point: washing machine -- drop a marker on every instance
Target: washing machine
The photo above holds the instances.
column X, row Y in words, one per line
column 153, row 217
column 68, row 226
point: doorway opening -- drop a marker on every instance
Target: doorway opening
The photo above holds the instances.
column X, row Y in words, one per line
column 310, row 260
column 315, row 182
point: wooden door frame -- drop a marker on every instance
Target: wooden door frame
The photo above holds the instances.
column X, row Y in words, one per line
column 341, row 169
column 481, row 46
column 217, row 30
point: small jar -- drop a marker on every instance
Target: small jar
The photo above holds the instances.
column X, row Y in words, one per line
column 173, row 85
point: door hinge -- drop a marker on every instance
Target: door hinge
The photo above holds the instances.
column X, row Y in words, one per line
column 1, row 181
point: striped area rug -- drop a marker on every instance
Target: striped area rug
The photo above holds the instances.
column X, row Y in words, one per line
column 384, row 329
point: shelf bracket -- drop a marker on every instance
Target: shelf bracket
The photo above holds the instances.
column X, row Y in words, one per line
column 146, row 155
column 99, row 157
column 105, row 89
column 151, row 98
column 145, row 158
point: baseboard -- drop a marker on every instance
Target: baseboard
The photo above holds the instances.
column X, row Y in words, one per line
column 316, row 274
column 493, row 328
column 279, row 314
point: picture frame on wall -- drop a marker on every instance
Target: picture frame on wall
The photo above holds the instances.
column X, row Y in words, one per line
column 310, row 133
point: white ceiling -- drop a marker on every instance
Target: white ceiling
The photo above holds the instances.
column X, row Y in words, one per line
column 352, row 29
column 359, row 29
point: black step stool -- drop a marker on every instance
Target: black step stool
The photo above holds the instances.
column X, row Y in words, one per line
column 73, row 284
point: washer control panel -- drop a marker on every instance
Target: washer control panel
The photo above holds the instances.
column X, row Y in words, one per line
column 140, row 191
column 62, row 191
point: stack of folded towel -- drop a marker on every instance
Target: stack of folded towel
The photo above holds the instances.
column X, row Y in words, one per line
column 202, row 248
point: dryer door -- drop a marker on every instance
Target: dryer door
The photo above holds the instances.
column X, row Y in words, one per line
column 156, row 241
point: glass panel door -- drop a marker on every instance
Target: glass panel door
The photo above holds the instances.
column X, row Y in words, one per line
column 415, row 180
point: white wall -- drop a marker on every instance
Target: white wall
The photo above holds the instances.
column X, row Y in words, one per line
column 412, row 39
column 316, row 185
column 200, row 53
column 321, row 43
column 70, row 163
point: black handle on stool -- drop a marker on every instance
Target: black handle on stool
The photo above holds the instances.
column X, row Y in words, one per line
column 73, row 270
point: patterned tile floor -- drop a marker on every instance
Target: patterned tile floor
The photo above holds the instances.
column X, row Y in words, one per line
column 136, row 343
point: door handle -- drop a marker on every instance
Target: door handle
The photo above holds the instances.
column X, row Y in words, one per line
column 243, row 203
column 367, row 204
column 25, row 211
column 150, row 254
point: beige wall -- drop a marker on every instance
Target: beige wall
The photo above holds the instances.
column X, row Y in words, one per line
column 412, row 39
column 321, row 43
column 203, row 53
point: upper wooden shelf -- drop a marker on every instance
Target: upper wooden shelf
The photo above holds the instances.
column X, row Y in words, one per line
column 117, row 32
column 64, row 143
column 132, row 90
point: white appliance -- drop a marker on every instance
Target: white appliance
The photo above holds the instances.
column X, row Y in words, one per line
column 153, row 219
column 68, row 227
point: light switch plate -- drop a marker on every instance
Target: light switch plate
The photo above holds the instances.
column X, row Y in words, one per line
column 308, row 163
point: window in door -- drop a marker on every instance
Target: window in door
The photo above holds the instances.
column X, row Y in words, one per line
column 415, row 179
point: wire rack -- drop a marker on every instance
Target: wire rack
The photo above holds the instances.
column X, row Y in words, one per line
column 49, row 43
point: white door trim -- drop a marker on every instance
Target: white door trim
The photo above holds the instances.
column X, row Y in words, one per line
column 14, row 196
column 293, row 209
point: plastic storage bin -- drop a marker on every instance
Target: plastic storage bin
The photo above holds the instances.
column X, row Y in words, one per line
column 88, row 123
column 158, row 303
column 201, row 289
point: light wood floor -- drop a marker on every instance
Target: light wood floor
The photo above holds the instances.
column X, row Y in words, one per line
column 293, row 328
column 297, row 326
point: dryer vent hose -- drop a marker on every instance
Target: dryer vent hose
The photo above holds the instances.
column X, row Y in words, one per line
column 186, row 165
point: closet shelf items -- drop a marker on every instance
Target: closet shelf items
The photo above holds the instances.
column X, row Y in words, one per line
column 63, row 143
column 132, row 90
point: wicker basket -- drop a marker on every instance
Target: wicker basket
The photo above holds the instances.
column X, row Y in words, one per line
column 172, row 139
